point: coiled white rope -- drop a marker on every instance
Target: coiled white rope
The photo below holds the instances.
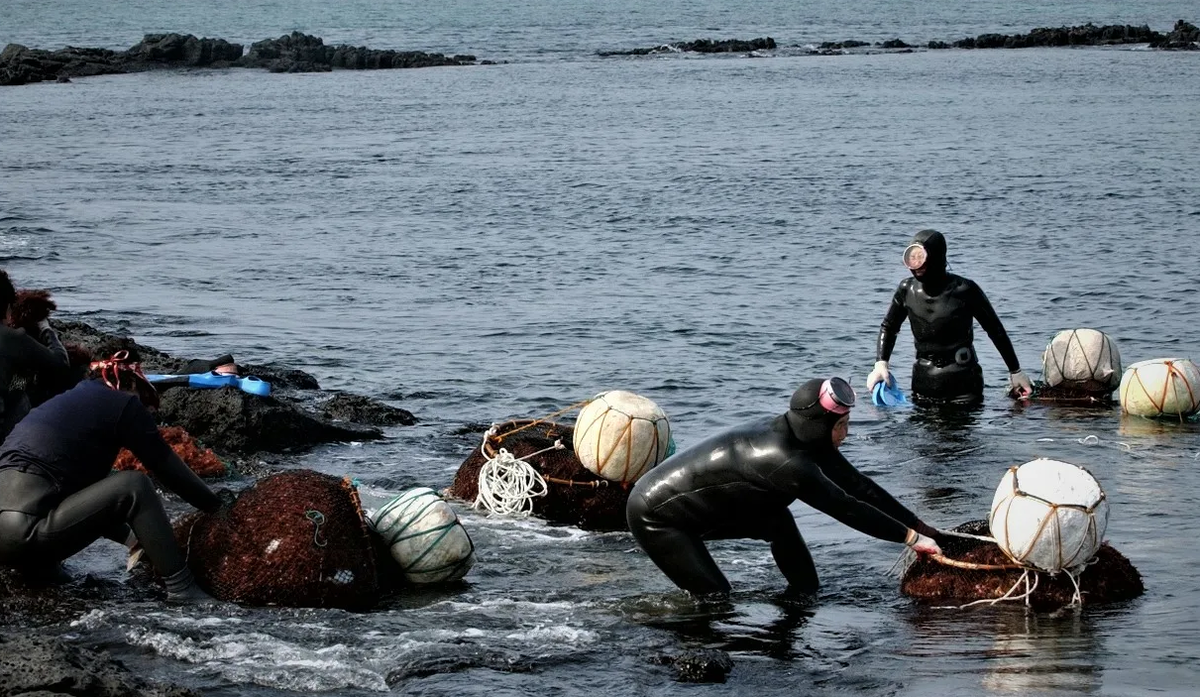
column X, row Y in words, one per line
column 508, row 484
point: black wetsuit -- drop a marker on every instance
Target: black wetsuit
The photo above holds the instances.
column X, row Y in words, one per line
column 941, row 308
column 738, row 485
column 199, row 365
column 57, row 495
column 21, row 354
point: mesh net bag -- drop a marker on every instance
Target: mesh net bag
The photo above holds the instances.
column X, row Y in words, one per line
column 295, row 539
column 1110, row 577
column 198, row 458
column 574, row 495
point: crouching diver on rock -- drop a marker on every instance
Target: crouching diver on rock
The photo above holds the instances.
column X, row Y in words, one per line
column 21, row 354
column 942, row 308
column 738, row 484
column 57, row 495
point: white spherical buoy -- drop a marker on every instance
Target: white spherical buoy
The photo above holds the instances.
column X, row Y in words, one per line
column 1049, row 515
column 1161, row 387
column 1084, row 359
column 424, row 536
column 620, row 435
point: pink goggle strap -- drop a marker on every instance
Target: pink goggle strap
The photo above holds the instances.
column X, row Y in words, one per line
column 830, row 402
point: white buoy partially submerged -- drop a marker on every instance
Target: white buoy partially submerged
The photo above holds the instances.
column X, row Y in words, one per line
column 425, row 537
column 1049, row 515
column 1161, row 387
column 620, row 435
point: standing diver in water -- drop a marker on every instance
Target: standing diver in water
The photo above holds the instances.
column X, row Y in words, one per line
column 56, row 493
column 738, row 484
column 942, row 308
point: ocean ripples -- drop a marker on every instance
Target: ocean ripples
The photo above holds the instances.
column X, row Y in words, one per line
column 478, row 245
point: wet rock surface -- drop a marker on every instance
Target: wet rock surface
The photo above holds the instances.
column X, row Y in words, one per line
column 447, row 658
column 701, row 46
column 354, row 408
column 699, row 665
column 302, row 53
column 33, row 665
column 20, row 65
column 235, row 423
column 296, row 52
column 1184, row 36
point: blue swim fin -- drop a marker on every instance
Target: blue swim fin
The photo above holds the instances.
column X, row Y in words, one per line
column 248, row 384
column 887, row 394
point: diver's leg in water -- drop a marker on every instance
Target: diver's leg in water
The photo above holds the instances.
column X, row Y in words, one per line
column 87, row 515
column 792, row 555
column 685, row 560
column 681, row 555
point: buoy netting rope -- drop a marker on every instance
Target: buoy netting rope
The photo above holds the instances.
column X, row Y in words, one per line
column 1170, row 383
column 1060, row 362
column 1061, row 565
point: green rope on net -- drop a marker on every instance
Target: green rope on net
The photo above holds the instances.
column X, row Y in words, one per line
column 317, row 518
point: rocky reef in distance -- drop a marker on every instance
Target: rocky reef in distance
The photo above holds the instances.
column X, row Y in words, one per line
column 291, row 53
column 302, row 53
column 1184, row 37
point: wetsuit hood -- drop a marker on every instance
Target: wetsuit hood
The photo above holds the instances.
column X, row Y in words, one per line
column 934, row 244
column 810, row 422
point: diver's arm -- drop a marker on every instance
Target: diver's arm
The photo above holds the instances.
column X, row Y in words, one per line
column 892, row 321
column 807, row 483
column 990, row 321
column 48, row 356
column 839, row 471
column 140, row 434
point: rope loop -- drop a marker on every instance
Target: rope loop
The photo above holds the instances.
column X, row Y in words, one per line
column 317, row 518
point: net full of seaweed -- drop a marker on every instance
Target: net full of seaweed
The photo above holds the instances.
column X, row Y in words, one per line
column 295, row 539
column 973, row 569
column 572, row 494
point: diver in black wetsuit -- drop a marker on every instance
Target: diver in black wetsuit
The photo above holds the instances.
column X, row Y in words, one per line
column 57, row 495
column 22, row 354
column 942, row 308
column 739, row 484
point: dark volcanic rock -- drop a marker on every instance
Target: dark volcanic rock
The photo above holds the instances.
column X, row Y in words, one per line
column 100, row 344
column 44, row 666
column 179, row 50
column 1184, row 37
column 699, row 665
column 232, row 421
column 701, row 46
column 1083, row 35
column 364, row 410
column 288, row 54
column 435, row 659
column 839, row 45
column 20, row 65
column 298, row 52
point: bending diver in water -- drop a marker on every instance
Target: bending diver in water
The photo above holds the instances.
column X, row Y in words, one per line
column 941, row 308
column 57, row 495
column 738, row 484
